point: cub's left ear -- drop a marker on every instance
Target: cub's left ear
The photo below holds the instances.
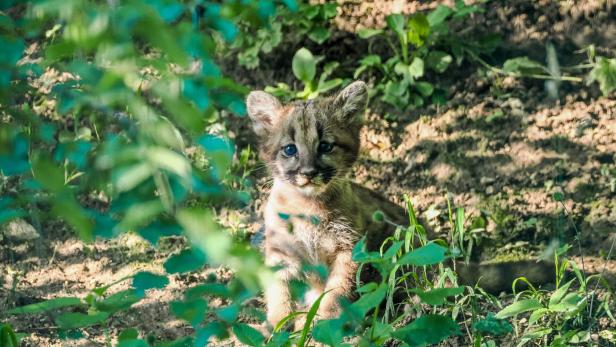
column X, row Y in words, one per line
column 353, row 100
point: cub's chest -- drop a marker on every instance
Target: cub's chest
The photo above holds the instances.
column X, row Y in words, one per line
column 309, row 234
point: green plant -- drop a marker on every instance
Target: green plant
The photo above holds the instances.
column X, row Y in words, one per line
column 305, row 69
column 414, row 51
column 311, row 20
column 599, row 69
column 250, row 46
column 139, row 90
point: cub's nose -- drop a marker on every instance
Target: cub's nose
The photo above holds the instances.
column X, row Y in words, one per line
column 309, row 172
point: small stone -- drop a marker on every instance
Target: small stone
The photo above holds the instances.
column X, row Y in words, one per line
column 515, row 104
column 518, row 112
column 486, row 180
column 19, row 230
column 490, row 190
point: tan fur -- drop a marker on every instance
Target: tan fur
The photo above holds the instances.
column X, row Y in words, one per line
column 321, row 225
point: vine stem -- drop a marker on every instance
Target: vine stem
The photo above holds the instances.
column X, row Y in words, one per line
column 513, row 74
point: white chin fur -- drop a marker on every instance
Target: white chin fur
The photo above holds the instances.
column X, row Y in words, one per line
column 310, row 189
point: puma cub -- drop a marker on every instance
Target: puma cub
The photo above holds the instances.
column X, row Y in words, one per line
column 315, row 214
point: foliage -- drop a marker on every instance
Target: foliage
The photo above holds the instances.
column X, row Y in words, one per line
column 113, row 119
column 305, row 69
column 415, row 50
column 139, row 86
column 604, row 73
column 310, row 21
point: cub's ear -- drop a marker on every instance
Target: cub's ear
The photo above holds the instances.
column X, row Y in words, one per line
column 263, row 110
column 353, row 101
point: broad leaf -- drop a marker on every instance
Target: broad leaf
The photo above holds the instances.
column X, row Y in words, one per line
column 304, row 65
column 47, row 305
column 418, row 29
column 416, row 69
column 438, row 61
column 429, row 254
column 248, row 335
column 523, row 65
column 604, row 72
column 427, row 329
column 185, row 261
column 319, row 35
column 146, row 280
column 425, row 88
column 437, row 296
column 492, row 325
column 395, row 22
column 519, row 307
column 438, row 15
column 366, row 33
column 192, row 311
column 72, row 320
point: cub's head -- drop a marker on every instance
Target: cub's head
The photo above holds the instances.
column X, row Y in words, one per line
column 309, row 144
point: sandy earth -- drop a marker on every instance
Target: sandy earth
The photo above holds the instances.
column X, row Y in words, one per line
column 499, row 148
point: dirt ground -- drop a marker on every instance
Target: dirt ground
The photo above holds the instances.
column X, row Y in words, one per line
column 499, row 148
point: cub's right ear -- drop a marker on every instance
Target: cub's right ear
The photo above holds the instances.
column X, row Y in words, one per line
column 263, row 110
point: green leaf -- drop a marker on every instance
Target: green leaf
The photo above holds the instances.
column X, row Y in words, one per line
column 418, row 29
column 604, row 72
column 169, row 160
column 248, row 335
column 395, row 22
column 519, row 307
column 427, row 329
column 416, row 69
column 558, row 196
column 304, row 65
column 361, row 255
column 438, row 15
column 523, row 66
column 319, row 34
column 129, row 177
column 572, row 302
column 187, row 260
column 146, row 280
column 192, row 311
column 425, row 88
column 7, row 336
column 559, row 294
column 437, row 296
column 368, row 301
column 117, row 302
column 366, row 33
column 128, row 334
column 330, row 10
column 51, row 304
column 214, row 289
column 536, row 315
column 73, row 320
column 228, row 313
column 438, row 61
column 309, row 318
column 329, row 331
column 492, row 325
column 329, row 85
column 429, row 254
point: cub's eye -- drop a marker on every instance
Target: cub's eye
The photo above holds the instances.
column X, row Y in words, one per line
column 289, row 150
column 325, row 147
